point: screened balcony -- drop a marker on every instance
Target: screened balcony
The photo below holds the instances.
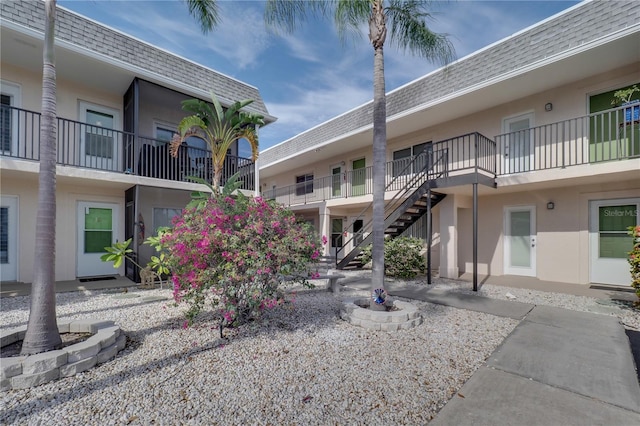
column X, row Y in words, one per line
column 91, row 146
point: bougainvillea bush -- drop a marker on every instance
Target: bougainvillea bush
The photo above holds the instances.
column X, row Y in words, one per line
column 634, row 259
column 230, row 253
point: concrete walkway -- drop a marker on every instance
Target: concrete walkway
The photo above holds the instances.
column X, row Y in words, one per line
column 11, row 289
column 557, row 367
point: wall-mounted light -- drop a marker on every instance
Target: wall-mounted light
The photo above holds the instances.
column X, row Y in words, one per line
column 551, row 205
column 342, row 163
column 548, row 106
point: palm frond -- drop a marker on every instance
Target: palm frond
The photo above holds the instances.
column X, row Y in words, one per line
column 205, row 12
column 250, row 134
column 350, row 15
column 288, row 14
column 409, row 31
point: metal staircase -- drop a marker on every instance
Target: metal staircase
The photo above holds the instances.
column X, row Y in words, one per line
column 413, row 199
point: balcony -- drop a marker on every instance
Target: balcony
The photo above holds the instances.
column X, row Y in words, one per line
column 607, row 136
column 610, row 135
column 462, row 159
column 92, row 147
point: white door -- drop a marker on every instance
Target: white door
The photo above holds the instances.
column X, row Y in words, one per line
column 100, row 145
column 97, row 229
column 337, row 180
column 609, row 242
column 520, row 241
column 8, row 238
column 518, row 143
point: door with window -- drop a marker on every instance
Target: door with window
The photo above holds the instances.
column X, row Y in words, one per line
column 358, row 177
column 100, row 144
column 336, row 237
column 519, row 146
column 609, row 242
column 8, row 238
column 97, row 229
column 337, row 180
column 520, row 241
column 9, row 99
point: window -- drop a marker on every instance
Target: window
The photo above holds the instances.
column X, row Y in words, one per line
column 5, row 123
column 164, row 134
column 304, row 184
column 9, row 97
column 404, row 157
column 99, row 140
column 164, row 217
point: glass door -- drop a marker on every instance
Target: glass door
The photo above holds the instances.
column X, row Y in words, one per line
column 337, row 177
column 520, row 241
column 358, row 177
column 336, row 236
column 518, row 144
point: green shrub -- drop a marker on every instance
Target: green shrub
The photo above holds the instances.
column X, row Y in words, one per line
column 402, row 257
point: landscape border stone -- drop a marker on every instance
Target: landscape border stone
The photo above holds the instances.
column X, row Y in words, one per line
column 405, row 317
column 22, row 372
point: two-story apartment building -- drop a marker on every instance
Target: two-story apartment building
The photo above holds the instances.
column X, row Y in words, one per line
column 530, row 121
column 118, row 102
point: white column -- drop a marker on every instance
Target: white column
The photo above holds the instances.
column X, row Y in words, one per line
column 256, row 178
column 324, row 227
column 448, row 237
column 256, row 172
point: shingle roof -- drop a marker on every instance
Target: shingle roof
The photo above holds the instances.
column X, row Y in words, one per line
column 585, row 23
column 88, row 34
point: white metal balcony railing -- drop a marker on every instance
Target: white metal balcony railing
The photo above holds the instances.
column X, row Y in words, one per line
column 99, row 148
column 604, row 136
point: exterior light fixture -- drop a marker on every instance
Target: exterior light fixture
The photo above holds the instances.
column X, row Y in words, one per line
column 551, row 205
column 548, row 106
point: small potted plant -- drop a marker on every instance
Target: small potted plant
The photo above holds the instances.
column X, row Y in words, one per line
column 623, row 97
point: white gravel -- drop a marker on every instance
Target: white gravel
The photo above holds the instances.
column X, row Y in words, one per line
column 300, row 365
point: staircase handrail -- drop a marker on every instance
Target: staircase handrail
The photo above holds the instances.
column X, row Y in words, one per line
column 410, row 185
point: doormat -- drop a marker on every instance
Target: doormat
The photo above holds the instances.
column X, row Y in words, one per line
column 88, row 280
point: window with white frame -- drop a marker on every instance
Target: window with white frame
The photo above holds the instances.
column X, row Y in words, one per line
column 304, row 184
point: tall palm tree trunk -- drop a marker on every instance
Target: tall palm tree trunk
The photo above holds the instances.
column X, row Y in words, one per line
column 42, row 330
column 377, row 35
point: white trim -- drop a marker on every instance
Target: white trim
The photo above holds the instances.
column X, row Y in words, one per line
column 12, row 202
column 515, row 270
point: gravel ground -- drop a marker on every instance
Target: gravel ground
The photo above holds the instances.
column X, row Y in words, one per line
column 300, row 365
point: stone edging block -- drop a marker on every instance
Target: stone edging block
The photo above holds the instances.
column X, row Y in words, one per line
column 407, row 316
column 22, row 372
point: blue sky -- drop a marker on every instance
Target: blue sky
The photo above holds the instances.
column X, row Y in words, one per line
column 310, row 76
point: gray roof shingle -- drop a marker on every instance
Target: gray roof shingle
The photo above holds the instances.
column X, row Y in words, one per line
column 587, row 22
column 88, row 34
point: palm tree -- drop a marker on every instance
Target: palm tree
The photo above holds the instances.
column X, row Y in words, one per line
column 42, row 329
column 406, row 20
column 219, row 128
